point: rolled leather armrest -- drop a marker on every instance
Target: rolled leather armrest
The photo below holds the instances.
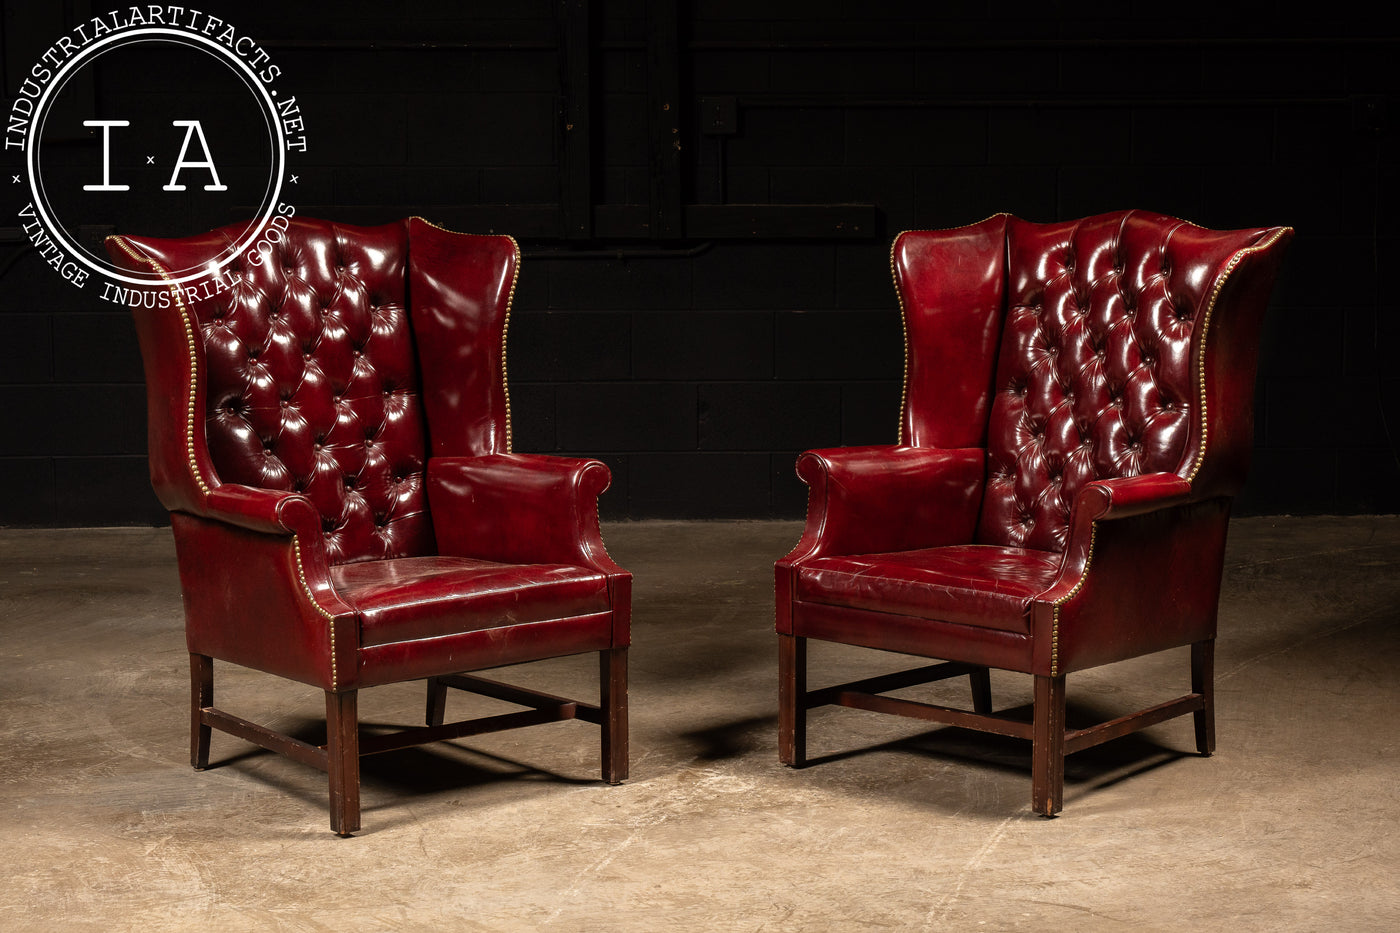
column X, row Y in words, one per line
column 1125, row 496
column 520, row 508
column 270, row 511
column 868, row 499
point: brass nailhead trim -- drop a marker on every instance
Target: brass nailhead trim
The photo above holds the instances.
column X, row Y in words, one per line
column 1205, row 333
column 505, row 330
column 193, row 358
column 1055, row 620
column 904, row 334
column 330, row 619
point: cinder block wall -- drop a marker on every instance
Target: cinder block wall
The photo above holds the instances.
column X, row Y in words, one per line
column 698, row 363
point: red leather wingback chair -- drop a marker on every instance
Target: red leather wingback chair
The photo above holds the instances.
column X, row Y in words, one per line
column 1078, row 413
column 330, row 428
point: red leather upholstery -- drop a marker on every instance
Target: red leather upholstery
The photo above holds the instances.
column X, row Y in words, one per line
column 1077, row 415
column 970, row 584
column 329, row 424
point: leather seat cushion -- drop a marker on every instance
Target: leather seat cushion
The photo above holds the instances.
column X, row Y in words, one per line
column 975, row 584
column 426, row 597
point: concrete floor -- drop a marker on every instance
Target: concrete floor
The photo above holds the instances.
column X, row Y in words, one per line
column 1291, row 826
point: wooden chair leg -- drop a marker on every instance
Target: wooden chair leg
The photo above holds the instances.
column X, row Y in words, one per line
column 612, row 676
column 201, row 697
column 981, row 681
column 343, row 760
column 1048, row 746
column 792, row 697
column 437, row 702
column 1203, row 682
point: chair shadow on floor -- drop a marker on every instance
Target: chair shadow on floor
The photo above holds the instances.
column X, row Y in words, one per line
column 1090, row 770
column 738, row 738
column 420, row 771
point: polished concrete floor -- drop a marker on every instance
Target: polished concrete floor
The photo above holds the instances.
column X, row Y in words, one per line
column 1292, row 825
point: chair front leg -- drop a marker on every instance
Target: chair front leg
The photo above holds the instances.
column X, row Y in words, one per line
column 1203, row 682
column 343, row 760
column 612, row 676
column 1048, row 746
column 792, row 700
column 201, row 698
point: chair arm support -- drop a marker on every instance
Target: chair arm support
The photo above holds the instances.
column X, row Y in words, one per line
column 867, row 499
column 1109, row 500
column 1141, row 573
column 863, row 500
column 520, row 508
column 281, row 513
column 238, row 561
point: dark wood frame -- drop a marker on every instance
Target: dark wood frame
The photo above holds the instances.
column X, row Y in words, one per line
column 1051, row 740
column 340, row 756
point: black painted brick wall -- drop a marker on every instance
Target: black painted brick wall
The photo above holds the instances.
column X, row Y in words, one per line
column 698, row 378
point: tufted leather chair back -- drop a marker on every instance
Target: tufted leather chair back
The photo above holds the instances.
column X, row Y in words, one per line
column 302, row 373
column 1092, row 350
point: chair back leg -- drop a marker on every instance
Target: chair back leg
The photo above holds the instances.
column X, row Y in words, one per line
column 201, row 698
column 437, row 702
column 1203, row 683
column 1048, row 746
column 612, row 671
column 981, row 682
column 343, row 760
column 792, row 700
